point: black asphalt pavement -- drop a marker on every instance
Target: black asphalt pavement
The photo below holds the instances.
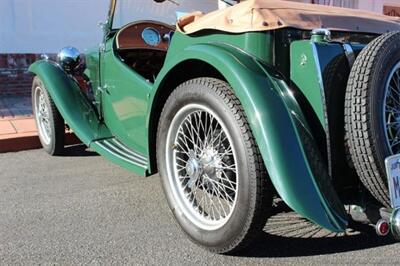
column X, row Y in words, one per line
column 81, row 209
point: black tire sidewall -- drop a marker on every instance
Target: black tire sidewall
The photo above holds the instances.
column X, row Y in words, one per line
column 365, row 113
column 389, row 58
column 234, row 227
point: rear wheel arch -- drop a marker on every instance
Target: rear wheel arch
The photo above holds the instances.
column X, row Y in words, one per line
column 261, row 90
column 184, row 71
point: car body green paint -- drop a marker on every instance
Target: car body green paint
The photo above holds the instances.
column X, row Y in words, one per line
column 92, row 66
column 245, row 60
column 76, row 110
column 125, row 101
column 71, row 103
column 258, row 44
column 276, row 120
column 309, row 63
column 305, row 72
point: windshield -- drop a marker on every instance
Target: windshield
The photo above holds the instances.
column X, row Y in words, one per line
column 127, row 11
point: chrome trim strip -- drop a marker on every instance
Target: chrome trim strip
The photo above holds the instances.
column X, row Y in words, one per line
column 128, row 151
column 120, row 144
column 121, row 157
column 122, row 153
column 129, row 155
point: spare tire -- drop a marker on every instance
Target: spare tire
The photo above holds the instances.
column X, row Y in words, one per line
column 372, row 112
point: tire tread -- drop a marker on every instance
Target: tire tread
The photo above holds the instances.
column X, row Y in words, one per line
column 358, row 122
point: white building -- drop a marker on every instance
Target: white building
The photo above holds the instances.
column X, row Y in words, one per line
column 44, row 26
column 32, row 27
column 369, row 5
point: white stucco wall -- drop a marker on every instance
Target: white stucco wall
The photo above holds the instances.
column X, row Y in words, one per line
column 44, row 26
column 370, row 5
column 376, row 5
column 132, row 10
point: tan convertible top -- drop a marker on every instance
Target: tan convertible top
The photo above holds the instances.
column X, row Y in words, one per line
column 261, row 15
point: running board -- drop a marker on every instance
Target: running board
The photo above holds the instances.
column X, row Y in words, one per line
column 120, row 154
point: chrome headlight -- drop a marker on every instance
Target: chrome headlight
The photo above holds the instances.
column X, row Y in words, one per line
column 70, row 59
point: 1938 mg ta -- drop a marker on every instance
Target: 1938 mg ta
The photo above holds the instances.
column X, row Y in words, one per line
column 265, row 98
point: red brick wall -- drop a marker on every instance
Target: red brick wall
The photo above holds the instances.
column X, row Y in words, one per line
column 14, row 75
column 390, row 10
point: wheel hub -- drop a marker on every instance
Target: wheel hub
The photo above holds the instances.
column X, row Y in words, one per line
column 194, row 171
column 211, row 163
column 206, row 167
column 193, row 168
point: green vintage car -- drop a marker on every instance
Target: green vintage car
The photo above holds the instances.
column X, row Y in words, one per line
column 260, row 100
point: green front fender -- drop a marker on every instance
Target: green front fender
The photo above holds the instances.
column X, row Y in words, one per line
column 71, row 103
column 280, row 129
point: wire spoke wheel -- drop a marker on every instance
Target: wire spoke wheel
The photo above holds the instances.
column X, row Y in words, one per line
column 391, row 112
column 49, row 122
column 210, row 167
column 202, row 166
column 42, row 116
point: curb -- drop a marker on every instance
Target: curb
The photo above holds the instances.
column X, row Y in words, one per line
column 29, row 142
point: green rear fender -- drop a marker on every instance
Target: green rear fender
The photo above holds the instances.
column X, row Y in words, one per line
column 280, row 130
column 71, row 103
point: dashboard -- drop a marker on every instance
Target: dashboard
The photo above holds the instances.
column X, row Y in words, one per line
column 145, row 35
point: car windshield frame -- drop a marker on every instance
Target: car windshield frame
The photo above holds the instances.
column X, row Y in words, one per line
column 111, row 12
column 114, row 6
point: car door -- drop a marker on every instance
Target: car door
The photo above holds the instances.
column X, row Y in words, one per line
column 125, row 92
column 124, row 100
